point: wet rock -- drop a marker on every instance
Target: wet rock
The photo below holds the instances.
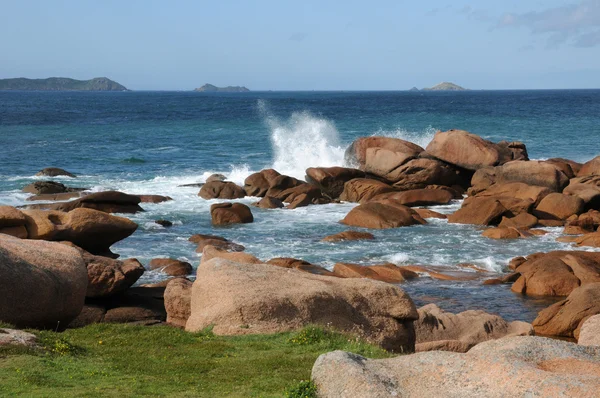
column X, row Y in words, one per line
column 221, row 190
column 108, row 202
column 178, row 298
column 258, row 184
column 217, row 241
column 381, row 216
column 510, row 367
column 48, row 187
column 215, row 177
column 348, row 235
column 154, row 198
column 164, row 223
column 362, row 190
column 171, row 267
column 331, row 180
column 282, row 299
column 556, row 273
column 566, row 317
column 389, row 273
column 294, row 263
column 269, row 203
column 418, row 197
column 428, row 213
column 43, row 284
column 54, row 172
column 54, row 197
column 230, row 213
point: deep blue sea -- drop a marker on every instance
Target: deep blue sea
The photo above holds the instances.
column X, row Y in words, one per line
column 153, row 142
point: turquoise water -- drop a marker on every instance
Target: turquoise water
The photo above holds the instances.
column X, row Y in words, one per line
column 153, row 142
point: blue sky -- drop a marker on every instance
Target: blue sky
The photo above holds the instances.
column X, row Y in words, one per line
column 305, row 45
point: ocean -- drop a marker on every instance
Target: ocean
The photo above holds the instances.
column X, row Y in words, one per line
column 154, row 142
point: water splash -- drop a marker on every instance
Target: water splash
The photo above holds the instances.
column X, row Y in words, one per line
column 421, row 138
column 302, row 141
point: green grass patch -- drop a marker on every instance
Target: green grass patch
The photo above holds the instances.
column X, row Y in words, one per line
column 107, row 360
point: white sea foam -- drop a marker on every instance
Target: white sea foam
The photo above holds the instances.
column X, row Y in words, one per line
column 398, row 258
column 302, row 141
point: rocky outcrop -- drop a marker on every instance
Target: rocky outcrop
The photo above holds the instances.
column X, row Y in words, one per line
column 269, row 203
column 534, row 172
column 508, row 367
column 92, row 230
column 171, row 266
column 348, row 235
column 557, row 206
column 556, row 273
column 258, row 184
column 54, row 172
column 331, row 180
column 520, row 221
column 362, row 190
column 280, row 299
column 566, row 317
column 489, row 210
column 108, row 202
column 468, row 327
column 356, row 154
column 230, row 213
column 221, row 190
column 43, row 284
column 48, row 187
column 381, row 216
column 419, row 173
column 587, row 188
column 469, row 151
column 591, row 167
column 178, row 299
column 517, row 190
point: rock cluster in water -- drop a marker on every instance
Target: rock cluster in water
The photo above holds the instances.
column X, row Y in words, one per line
column 61, row 253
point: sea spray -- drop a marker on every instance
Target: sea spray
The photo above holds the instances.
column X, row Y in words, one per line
column 421, row 138
column 302, row 141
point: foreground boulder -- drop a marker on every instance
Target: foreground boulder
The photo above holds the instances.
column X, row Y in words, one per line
column 462, row 331
column 230, row 213
column 43, row 284
column 556, row 273
column 566, row 317
column 382, row 216
column 14, row 337
column 589, row 333
column 280, row 299
column 331, row 180
column 509, row 367
column 221, row 190
column 91, row 230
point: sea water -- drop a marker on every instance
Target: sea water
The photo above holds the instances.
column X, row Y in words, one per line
column 155, row 142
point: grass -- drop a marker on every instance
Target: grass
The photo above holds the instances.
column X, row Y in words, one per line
column 112, row 360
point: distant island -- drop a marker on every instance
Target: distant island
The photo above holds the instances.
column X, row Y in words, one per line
column 445, row 86
column 61, row 84
column 209, row 88
column 414, row 89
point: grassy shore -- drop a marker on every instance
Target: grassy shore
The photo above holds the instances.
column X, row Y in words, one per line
column 124, row 360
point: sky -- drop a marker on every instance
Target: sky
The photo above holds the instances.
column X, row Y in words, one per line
column 305, row 45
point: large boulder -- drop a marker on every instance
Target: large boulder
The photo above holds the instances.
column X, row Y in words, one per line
column 258, row 184
column 518, row 190
column 524, row 366
column 12, row 222
column 566, row 317
column 556, row 273
column 533, row 172
column 281, row 299
column 383, row 162
column 587, row 188
column 43, row 284
column 558, row 206
column 418, row 197
column 178, row 298
column 381, row 216
column 591, row 167
column 388, row 272
column 466, row 150
column 108, row 202
column 54, row 172
column 419, row 173
column 356, row 154
column 362, row 190
column 91, row 230
column 589, row 333
column 230, row 213
column 331, row 180
column 480, row 211
column 221, row 190
column 469, row 327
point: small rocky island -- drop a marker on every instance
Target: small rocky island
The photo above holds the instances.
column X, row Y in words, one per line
column 209, row 88
column 61, row 84
column 445, row 86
